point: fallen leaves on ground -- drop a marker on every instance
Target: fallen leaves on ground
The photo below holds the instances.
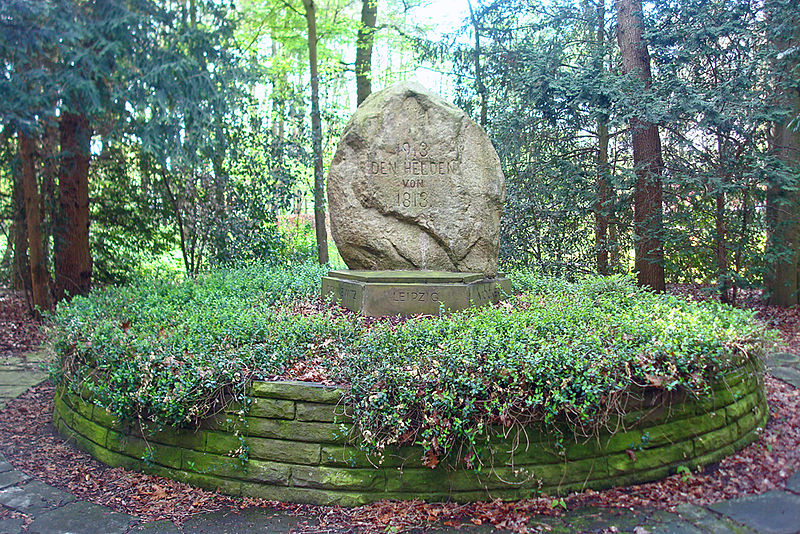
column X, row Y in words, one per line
column 19, row 332
column 29, row 442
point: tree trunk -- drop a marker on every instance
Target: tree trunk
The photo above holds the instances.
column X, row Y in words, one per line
column 479, row 87
column 647, row 213
column 49, row 173
column 316, row 135
column 603, row 197
column 40, row 277
column 604, row 192
column 783, row 199
column 723, row 276
column 366, row 37
column 73, row 259
column 20, row 270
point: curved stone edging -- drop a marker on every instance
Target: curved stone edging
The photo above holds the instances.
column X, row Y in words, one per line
column 297, row 450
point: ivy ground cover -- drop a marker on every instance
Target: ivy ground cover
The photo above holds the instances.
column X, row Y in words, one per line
column 559, row 353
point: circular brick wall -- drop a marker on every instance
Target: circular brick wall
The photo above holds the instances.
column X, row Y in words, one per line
column 295, row 438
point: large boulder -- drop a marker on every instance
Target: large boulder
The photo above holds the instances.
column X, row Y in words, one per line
column 415, row 184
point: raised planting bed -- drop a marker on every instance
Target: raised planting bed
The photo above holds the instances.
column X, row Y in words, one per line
column 294, row 445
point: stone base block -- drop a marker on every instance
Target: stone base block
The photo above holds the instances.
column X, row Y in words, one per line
column 380, row 293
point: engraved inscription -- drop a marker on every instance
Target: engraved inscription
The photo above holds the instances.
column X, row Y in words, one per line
column 399, row 295
column 412, row 199
column 411, row 179
column 347, row 294
column 485, row 293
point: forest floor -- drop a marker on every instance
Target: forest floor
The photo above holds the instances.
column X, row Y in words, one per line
column 29, row 443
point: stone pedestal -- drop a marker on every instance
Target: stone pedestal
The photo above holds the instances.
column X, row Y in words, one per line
column 380, row 293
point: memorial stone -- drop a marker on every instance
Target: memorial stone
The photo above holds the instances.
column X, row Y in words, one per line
column 415, row 185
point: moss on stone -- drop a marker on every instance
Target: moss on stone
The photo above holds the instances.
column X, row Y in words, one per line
column 297, row 391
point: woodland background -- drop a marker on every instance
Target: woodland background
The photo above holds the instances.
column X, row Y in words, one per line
column 169, row 137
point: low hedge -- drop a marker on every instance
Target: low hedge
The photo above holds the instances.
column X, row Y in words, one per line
column 565, row 354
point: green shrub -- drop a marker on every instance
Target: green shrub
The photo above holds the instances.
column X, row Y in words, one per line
column 174, row 352
column 559, row 352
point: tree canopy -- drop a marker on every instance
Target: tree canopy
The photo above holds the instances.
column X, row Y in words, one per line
column 140, row 135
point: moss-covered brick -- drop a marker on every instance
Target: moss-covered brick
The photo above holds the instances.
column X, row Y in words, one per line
column 224, row 466
column 86, row 393
column 583, row 448
column 604, row 444
column 80, row 406
column 221, row 442
column 64, row 412
column 297, row 391
column 716, row 439
column 711, row 457
column 272, row 408
column 441, row 479
column 309, row 495
column 305, row 476
column 748, row 422
column 184, row 439
column 667, row 407
column 521, row 452
column 141, row 449
column 89, row 430
column 646, row 459
column 104, row 418
column 212, row 464
column 639, row 477
column 748, row 438
column 733, row 378
column 287, row 439
column 209, row 482
column 725, row 395
column 742, row 406
column 522, row 476
column 224, row 422
column 294, row 430
column 620, row 441
column 115, row 459
column 350, row 456
column 326, row 413
column 677, row 431
column 85, row 444
column 269, row 408
column 69, row 398
column 293, row 452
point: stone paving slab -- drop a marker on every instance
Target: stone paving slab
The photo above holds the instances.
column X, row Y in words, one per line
column 793, row 484
column 34, row 497
column 157, row 527
column 11, row 478
column 774, row 512
column 81, row 518
column 9, row 392
column 787, row 374
column 248, row 520
column 707, row 521
column 11, row 526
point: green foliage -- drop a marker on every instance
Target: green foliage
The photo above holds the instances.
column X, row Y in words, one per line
column 556, row 352
column 173, row 352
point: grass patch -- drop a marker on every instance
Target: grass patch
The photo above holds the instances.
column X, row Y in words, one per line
column 173, row 352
